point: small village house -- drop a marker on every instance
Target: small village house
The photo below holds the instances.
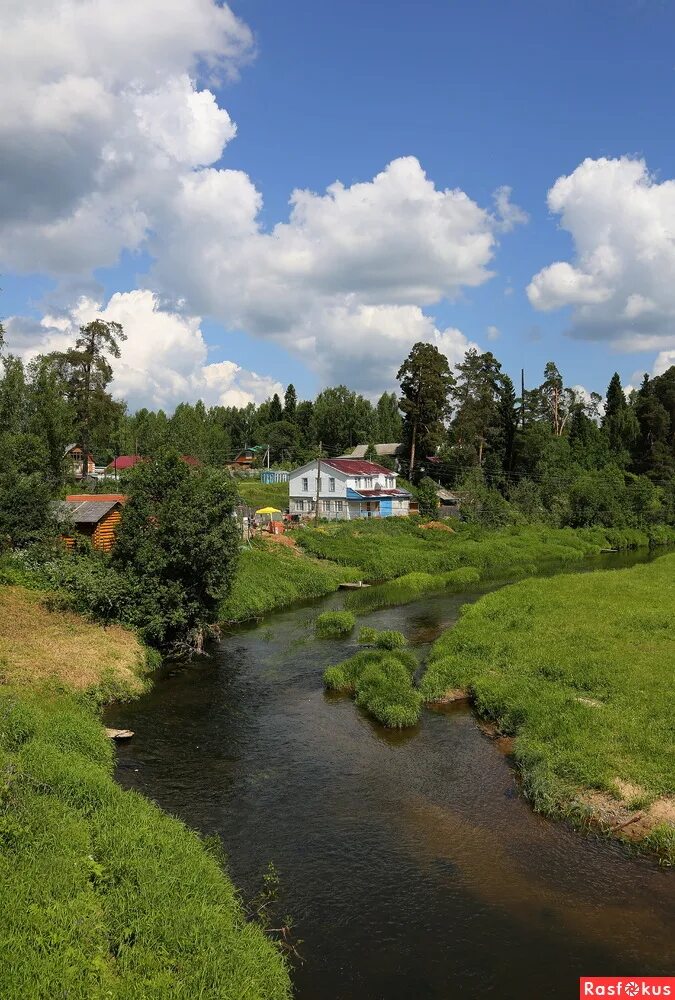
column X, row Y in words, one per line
column 248, row 459
column 93, row 516
column 347, row 488
column 74, row 459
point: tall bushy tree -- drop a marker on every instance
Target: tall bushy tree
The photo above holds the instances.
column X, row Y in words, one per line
column 619, row 421
column 388, row 421
column 87, row 373
column 426, row 381
column 476, row 399
column 342, row 419
column 177, row 548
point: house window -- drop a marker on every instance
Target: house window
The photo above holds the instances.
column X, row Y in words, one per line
column 331, row 484
column 369, row 482
column 326, row 506
column 305, row 485
column 338, row 506
column 300, row 505
column 390, row 483
column 357, row 482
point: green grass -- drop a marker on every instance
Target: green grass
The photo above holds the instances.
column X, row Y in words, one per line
column 381, row 682
column 334, row 623
column 395, row 547
column 382, row 640
column 410, row 587
column 101, row 894
column 579, row 668
column 271, row 577
column 257, row 494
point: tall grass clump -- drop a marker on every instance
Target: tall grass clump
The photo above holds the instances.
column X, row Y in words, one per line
column 331, row 624
column 271, row 577
column 580, row 670
column 411, row 587
column 382, row 639
column 102, row 894
column 381, row 682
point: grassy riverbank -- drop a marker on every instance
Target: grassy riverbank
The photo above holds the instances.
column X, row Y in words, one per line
column 101, row 894
column 271, row 576
column 392, row 547
column 579, row 669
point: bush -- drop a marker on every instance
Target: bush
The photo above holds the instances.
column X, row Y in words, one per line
column 334, row 623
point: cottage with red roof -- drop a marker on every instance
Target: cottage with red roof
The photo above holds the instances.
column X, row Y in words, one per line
column 347, row 488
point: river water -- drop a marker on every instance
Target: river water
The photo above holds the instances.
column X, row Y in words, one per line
column 410, row 862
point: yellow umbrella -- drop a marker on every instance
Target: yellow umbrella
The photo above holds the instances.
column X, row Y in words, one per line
column 268, row 510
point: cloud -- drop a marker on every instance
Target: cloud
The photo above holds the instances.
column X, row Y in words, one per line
column 101, row 117
column 344, row 282
column 163, row 361
column 493, row 333
column 620, row 281
column 112, row 141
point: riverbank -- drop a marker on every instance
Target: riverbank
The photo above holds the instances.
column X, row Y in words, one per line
column 101, row 893
column 414, row 560
column 579, row 671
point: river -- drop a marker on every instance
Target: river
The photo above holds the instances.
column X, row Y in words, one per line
column 410, row 862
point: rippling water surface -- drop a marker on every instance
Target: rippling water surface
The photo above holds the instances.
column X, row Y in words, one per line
column 411, row 864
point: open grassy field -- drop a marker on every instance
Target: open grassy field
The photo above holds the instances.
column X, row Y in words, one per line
column 580, row 670
column 271, row 576
column 102, row 896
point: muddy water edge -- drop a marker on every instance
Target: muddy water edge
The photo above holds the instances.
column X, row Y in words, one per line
column 410, row 862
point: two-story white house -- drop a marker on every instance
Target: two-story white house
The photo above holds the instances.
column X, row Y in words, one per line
column 348, row 488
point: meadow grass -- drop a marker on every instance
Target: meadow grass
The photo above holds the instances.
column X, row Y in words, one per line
column 334, row 623
column 101, row 894
column 383, row 549
column 381, row 682
column 410, row 587
column 271, row 577
column 381, row 639
column 579, row 668
column 258, row 495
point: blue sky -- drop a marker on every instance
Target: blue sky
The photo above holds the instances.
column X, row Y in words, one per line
column 482, row 94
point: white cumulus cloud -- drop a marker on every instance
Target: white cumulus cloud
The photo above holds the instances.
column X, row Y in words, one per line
column 620, row 282
column 163, row 361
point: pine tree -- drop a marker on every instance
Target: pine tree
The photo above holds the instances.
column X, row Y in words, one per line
column 290, row 403
column 276, row 412
column 619, row 421
column 426, row 381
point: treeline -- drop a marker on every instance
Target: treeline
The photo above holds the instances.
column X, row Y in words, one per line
column 546, row 454
column 550, row 454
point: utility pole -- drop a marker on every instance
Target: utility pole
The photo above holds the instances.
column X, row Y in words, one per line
column 522, row 399
column 318, row 486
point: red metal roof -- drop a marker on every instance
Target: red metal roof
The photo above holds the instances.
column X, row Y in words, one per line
column 190, row 460
column 125, row 462
column 357, row 467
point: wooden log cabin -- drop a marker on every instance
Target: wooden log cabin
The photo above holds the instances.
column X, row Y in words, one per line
column 94, row 515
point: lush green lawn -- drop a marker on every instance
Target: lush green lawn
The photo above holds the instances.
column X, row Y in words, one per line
column 102, row 895
column 580, row 669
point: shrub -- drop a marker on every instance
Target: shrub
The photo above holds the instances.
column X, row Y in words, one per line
column 334, row 623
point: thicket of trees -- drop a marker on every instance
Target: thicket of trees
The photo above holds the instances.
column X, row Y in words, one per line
column 550, row 455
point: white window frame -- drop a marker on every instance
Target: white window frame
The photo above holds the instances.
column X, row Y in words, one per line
column 305, row 485
column 326, row 506
column 338, row 506
column 331, row 484
column 369, row 482
column 357, row 482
